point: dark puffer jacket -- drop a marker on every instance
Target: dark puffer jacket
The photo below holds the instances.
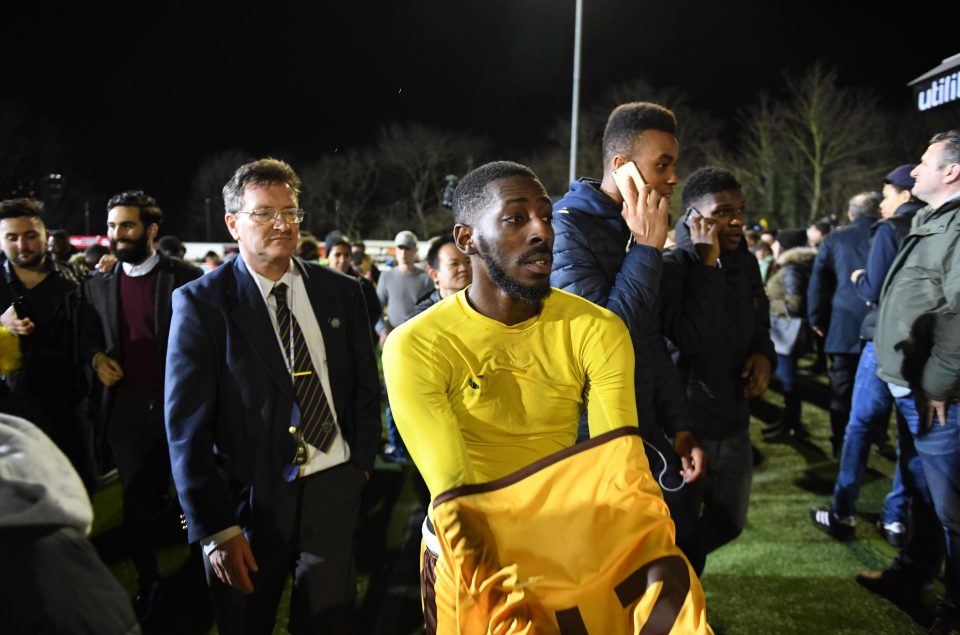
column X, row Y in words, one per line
column 595, row 258
column 715, row 317
column 886, row 236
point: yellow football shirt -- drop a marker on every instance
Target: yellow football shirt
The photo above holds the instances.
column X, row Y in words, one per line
column 475, row 399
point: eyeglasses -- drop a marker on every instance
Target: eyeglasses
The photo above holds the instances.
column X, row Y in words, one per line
column 265, row 215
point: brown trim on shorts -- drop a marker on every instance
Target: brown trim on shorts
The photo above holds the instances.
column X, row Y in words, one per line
column 536, row 466
column 428, row 591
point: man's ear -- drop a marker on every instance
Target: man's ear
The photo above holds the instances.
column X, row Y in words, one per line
column 231, row 222
column 618, row 162
column 953, row 174
column 152, row 232
column 463, row 238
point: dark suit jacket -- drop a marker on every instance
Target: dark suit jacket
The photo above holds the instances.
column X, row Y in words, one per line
column 230, row 401
column 100, row 315
column 832, row 300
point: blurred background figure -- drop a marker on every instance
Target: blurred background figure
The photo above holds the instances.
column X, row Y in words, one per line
column 58, row 244
column 787, row 291
column 172, row 247
column 309, row 250
column 363, row 262
column 52, row 580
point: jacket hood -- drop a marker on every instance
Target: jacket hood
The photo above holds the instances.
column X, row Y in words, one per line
column 797, row 255
column 585, row 196
column 38, row 485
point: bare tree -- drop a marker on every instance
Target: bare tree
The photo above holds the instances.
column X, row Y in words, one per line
column 834, row 130
column 337, row 191
column 417, row 159
column 204, row 219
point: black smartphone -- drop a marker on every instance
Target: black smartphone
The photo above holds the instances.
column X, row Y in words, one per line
column 21, row 306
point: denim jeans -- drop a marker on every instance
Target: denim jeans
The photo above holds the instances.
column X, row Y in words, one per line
column 787, row 374
column 869, row 414
column 936, row 512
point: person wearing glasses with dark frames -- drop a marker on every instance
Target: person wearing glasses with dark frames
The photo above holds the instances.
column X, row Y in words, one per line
column 273, row 416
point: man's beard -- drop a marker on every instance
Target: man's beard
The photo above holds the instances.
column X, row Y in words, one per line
column 28, row 263
column 511, row 286
column 134, row 255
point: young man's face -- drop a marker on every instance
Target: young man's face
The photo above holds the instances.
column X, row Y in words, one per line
column 24, row 240
column 725, row 209
column 453, row 270
column 656, row 153
column 129, row 239
column 340, row 258
column 892, row 199
column 514, row 238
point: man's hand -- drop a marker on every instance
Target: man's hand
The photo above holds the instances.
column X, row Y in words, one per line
column 756, row 370
column 20, row 327
column 232, row 561
column 645, row 213
column 383, row 338
column 108, row 369
column 703, row 233
column 106, row 263
column 692, row 456
column 930, row 409
column 855, row 274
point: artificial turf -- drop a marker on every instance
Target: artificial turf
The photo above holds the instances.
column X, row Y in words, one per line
column 781, row 576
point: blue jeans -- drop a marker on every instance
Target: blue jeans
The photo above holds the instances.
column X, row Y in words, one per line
column 787, row 374
column 869, row 414
column 936, row 511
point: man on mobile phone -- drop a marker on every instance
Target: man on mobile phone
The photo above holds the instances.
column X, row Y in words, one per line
column 40, row 303
column 716, row 316
column 608, row 250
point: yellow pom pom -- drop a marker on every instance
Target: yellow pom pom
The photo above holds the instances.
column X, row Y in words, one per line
column 9, row 351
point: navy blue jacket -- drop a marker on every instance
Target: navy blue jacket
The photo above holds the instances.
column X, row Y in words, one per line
column 887, row 236
column 231, row 411
column 715, row 318
column 832, row 302
column 594, row 257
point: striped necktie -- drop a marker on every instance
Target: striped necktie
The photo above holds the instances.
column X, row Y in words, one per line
column 316, row 423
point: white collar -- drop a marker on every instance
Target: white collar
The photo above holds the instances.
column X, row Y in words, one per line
column 143, row 268
column 266, row 285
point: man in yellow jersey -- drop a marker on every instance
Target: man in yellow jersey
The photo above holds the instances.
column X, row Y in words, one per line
column 530, row 532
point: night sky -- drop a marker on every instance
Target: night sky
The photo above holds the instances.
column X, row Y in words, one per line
column 142, row 93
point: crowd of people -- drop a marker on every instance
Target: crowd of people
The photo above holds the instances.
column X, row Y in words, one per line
column 572, row 380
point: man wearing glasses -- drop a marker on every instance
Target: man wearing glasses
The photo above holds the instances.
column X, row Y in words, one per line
column 273, row 416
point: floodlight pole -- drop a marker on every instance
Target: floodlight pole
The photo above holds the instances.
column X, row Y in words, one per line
column 575, row 109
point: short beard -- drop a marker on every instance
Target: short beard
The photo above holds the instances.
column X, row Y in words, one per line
column 134, row 255
column 531, row 294
column 29, row 263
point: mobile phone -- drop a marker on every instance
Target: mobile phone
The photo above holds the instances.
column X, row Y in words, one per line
column 626, row 171
column 21, row 306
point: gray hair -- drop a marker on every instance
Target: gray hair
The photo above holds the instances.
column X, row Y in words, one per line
column 951, row 149
column 261, row 172
column 865, row 205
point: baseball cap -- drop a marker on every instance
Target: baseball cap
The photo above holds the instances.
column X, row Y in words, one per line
column 900, row 176
column 406, row 239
